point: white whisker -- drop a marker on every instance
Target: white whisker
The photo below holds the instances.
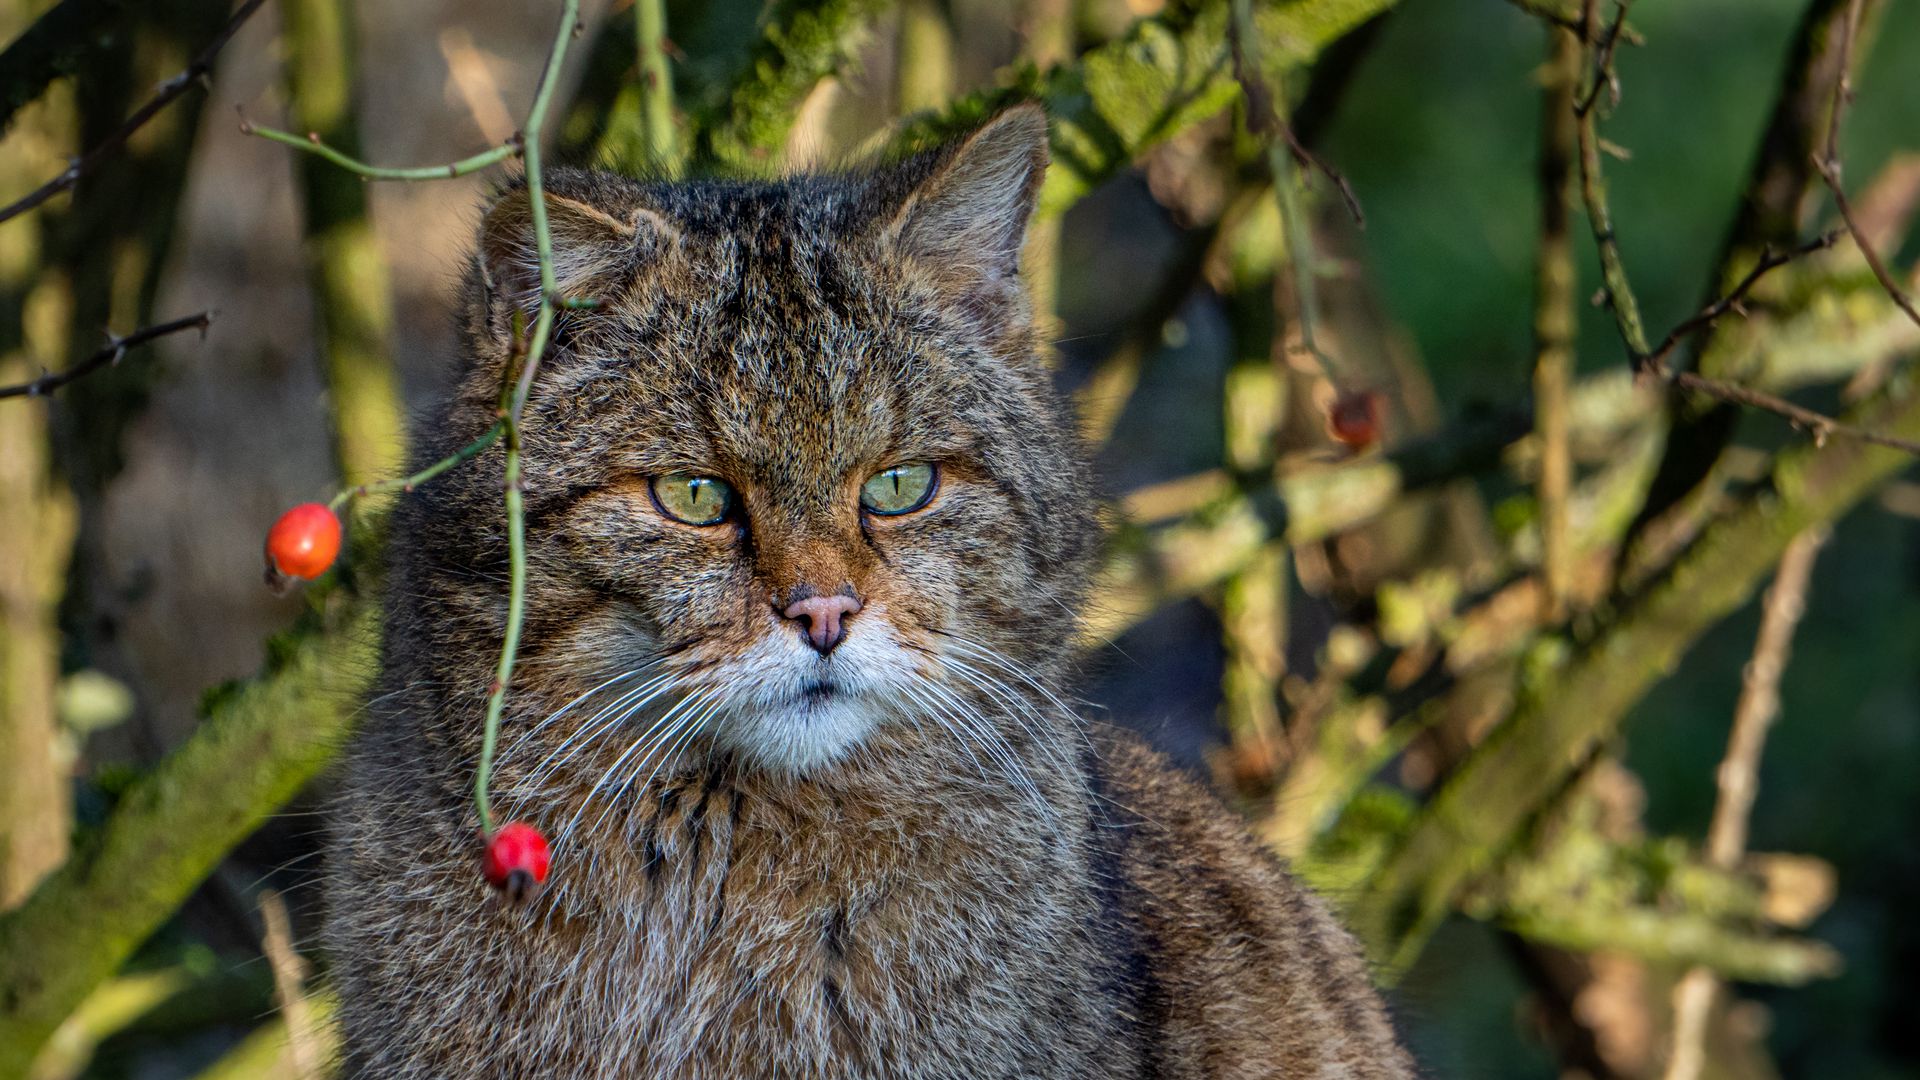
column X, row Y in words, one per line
column 665, row 724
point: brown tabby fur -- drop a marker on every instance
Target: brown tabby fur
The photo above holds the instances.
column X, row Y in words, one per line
column 934, row 869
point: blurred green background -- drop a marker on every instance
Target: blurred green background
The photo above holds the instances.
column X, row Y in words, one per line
column 1437, row 133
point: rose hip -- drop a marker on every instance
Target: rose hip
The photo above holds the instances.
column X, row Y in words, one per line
column 304, row 542
column 517, row 859
column 1354, row 419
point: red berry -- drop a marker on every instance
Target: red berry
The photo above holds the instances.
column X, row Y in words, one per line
column 304, row 541
column 517, row 859
column 1354, row 419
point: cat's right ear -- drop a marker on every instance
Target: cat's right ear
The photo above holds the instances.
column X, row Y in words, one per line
column 595, row 252
column 965, row 221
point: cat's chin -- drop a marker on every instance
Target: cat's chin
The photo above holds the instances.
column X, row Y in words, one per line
column 816, row 730
column 793, row 711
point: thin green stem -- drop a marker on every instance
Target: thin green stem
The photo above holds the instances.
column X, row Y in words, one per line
column 408, row 483
column 510, row 149
column 1265, row 120
column 516, row 610
column 516, row 400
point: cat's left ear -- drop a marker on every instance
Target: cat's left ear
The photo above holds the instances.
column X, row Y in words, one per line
column 965, row 222
column 595, row 249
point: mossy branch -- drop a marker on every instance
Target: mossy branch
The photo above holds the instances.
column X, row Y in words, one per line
column 1146, row 570
column 1679, row 938
column 656, row 83
column 801, row 42
column 1127, row 96
column 1566, row 713
column 260, row 743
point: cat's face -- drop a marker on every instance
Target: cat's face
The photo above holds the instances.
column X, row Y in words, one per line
column 800, row 474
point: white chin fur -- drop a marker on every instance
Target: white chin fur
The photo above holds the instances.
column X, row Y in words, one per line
column 771, row 721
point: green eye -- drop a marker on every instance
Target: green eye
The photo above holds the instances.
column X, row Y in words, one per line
column 695, row 500
column 901, row 489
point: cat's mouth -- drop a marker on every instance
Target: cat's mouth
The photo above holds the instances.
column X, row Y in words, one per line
column 818, row 692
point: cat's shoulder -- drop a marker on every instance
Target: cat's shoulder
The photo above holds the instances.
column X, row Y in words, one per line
column 1250, row 966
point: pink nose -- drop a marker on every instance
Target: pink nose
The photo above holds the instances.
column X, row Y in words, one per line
column 822, row 616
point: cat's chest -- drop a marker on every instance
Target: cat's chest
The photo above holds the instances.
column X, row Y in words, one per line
column 725, row 937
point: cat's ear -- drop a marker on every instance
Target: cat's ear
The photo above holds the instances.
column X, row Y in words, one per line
column 965, row 222
column 594, row 250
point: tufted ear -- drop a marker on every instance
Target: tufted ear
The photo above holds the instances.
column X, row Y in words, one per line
column 965, row 222
column 594, row 250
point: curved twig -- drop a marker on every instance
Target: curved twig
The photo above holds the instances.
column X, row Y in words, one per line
column 116, row 348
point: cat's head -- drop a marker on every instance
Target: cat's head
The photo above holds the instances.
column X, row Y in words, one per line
column 800, row 468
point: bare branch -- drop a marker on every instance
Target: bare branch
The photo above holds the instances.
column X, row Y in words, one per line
column 1554, row 283
column 1737, row 777
column 1830, row 172
column 1770, row 260
column 169, row 91
column 290, row 972
column 1819, row 425
column 116, row 348
column 1842, row 84
column 1649, row 361
column 1829, row 165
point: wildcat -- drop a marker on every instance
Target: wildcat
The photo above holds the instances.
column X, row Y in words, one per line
column 807, row 532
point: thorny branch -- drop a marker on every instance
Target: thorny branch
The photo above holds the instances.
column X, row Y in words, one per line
column 1651, row 362
column 1769, row 261
column 1566, row 15
column 1829, row 166
column 1819, row 425
column 109, row 356
column 1830, row 172
column 1605, row 79
column 406, row 484
column 196, row 73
